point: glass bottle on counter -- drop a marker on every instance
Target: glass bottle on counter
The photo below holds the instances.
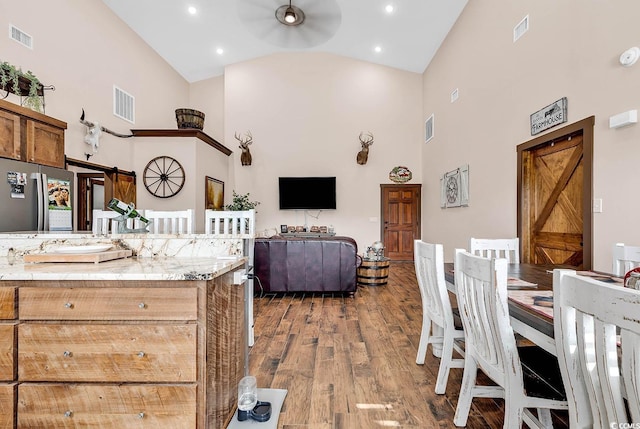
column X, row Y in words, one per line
column 125, row 209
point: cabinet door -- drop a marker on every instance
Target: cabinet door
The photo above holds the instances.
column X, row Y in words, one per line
column 45, row 144
column 7, row 404
column 7, row 354
column 9, row 135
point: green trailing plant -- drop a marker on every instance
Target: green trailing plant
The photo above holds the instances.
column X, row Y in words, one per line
column 241, row 202
column 10, row 81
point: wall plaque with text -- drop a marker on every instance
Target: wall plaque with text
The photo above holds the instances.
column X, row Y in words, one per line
column 550, row 116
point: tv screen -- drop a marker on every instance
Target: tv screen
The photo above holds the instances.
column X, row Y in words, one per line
column 307, row 193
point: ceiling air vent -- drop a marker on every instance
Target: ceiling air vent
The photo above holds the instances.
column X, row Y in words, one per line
column 521, row 28
column 20, row 36
column 124, row 105
column 428, row 129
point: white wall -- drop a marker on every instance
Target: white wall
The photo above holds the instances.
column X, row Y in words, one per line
column 83, row 49
column 306, row 111
column 571, row 50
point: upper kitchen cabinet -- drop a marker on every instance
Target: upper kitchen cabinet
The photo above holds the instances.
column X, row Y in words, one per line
column 30, row 136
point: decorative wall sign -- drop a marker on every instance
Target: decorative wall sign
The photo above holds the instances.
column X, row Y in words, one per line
column 400, row 174
column 550, row 116
column 455, row 188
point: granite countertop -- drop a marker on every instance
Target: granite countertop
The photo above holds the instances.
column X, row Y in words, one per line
column 160, row 268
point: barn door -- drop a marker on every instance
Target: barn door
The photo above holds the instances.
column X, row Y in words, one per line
column 119, row 185
column 400, row 220
column 554, row 196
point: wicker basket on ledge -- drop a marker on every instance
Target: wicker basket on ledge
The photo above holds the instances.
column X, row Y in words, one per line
column 189, row 118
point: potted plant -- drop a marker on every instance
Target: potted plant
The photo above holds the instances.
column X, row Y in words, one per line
column 22, row 84
column 241, row 202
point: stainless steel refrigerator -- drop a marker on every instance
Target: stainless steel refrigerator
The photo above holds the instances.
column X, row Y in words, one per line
column 35, row 197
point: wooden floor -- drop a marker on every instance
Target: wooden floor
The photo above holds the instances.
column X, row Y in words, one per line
column 348, row 362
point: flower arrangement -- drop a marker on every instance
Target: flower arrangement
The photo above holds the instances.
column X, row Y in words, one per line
column 241, row 202
column 11, row 79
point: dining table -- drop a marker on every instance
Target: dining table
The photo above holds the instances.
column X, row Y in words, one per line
column 530, row 291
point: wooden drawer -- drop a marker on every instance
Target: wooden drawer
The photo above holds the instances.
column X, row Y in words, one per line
column 7, row 353
column 7, row 405
column 42, row 303
column 8, row 303
column 106, row 406
column 107, row 353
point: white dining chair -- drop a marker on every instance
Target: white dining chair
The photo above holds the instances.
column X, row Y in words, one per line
column 237, row 224
column 625, row 258
column 597, row 374
column 507, row 248
column 170, row 221
column 103, row 222
column 490, row 345
column 437, row 317
column 227, row 223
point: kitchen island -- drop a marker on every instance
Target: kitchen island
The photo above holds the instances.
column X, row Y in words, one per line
column 137, row 342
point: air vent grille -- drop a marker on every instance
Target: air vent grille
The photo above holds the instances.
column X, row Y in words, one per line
column 124, row 105
column 20, row 36
column 428, row 129
column 521, row 28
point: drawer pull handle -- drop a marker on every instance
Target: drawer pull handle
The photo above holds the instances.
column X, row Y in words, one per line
column 67, row 353
column 68, row 305
column 68, row 413
column 141, row 354
column 142, row 306
column 141, row 415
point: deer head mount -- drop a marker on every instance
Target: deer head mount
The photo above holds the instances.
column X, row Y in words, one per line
column 245, row 157
column 94, row 133
column 366, row 140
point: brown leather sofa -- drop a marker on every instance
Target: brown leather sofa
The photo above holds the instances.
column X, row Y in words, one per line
column 309, row 264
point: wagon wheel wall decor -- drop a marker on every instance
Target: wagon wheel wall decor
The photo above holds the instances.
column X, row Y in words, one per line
column 163, row 177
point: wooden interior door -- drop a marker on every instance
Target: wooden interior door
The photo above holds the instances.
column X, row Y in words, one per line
column 554, row 196
column 87, row 184
column 400, row 220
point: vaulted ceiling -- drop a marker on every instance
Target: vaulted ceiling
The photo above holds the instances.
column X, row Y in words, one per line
column 200, row 37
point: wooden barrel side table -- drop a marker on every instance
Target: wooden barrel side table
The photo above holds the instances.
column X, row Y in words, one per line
column 373, row 272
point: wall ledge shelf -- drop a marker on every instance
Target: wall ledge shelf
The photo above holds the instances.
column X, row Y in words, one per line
column 184, row 133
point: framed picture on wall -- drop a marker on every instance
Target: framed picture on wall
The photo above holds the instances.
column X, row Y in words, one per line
column 214, row 194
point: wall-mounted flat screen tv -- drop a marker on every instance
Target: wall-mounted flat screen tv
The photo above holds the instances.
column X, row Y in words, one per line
column 307, row 193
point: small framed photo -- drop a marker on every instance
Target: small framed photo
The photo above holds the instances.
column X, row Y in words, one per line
column 299, row 228
column 214, row 194
column 284, row 228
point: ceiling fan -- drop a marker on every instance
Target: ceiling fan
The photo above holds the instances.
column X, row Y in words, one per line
column 315, row 21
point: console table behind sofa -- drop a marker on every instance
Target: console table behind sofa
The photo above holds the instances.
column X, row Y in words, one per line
column 310, row 264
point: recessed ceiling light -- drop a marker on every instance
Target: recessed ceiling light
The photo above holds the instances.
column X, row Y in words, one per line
column 219, row 51
column 192, row 10
column 378, row 49
column 390, row 8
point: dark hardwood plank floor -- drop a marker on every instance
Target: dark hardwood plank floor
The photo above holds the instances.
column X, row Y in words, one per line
column 348, row 362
